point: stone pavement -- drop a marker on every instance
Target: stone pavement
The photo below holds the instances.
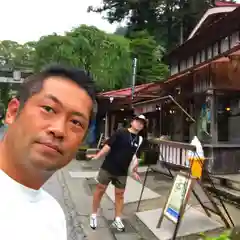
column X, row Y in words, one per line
column 75, row 195
column 58, row 188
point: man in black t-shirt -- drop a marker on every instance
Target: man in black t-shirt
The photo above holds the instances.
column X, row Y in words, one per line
column 121, row 151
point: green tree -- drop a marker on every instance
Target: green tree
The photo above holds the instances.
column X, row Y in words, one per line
column 15, row 55
column 121, row 31
column 54, row 48
column 105, row 56
column 10, row 58
column 9, row 53
column 108, row 59
column 166, row 20
column 142, row 14
column 149, row 55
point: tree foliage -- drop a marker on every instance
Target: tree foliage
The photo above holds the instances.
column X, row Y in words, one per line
column 107, row 57
column 121, row 31
column 166, row 20
column 149, row 55
column 15, row 55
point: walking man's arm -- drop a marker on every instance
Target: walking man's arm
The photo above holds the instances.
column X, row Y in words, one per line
column 102, row 153
column 134, row 168
column 107, row 147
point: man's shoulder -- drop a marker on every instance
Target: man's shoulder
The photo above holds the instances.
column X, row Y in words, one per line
column 121, row 131
column 56, row 214
column 53, row 205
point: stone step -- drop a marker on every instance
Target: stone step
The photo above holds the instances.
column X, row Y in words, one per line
column 227, row 194
column 231, row 181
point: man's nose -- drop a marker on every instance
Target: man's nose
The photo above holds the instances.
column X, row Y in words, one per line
column 58, row 128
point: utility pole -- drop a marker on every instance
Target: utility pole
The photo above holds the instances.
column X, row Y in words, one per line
column 134, row 76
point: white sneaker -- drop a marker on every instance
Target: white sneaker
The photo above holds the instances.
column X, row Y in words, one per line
column 118, row 224
column 93, row 221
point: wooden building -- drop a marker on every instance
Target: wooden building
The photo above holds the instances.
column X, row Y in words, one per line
column 202, row 95
column 116, row 107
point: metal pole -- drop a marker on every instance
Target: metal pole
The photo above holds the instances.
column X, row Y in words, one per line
column 143, row 186
column 171, row 97
column 134, row 76
column 106, row 125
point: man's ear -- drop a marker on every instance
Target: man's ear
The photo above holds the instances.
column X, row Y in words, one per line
column 12, row 111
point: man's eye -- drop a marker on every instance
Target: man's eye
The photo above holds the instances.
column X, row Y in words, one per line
column 77, row 123
column 48, row 109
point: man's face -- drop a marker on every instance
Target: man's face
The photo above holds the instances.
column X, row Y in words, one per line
column 47, row 132
column 137, row 124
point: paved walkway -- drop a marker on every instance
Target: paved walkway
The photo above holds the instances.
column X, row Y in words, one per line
column 58, row 188
column 75, row 195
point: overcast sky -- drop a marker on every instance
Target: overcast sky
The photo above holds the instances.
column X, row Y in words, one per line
column 26, row 20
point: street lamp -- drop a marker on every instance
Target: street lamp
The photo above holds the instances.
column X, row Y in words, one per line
column 111, row 99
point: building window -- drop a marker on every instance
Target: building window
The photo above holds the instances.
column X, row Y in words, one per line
column 174, row 68
column 182, row 65
column 190, row 62
column 234, row 39
column 203, row 55
column 198, row 58
column 224, row 45
column 209, row 53
column 215, row 50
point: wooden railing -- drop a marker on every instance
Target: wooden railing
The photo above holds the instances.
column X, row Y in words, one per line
column 174, row 153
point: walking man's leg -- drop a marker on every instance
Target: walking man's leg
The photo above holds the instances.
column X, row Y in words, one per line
column 120, row 184
column 97, row 197
column 104, row 179
column 119, row 201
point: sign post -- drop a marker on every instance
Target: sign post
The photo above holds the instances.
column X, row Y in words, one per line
column 184, row 184
column 178, row 196
column 177, row 200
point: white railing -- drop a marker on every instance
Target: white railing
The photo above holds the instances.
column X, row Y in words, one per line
column 174, row 153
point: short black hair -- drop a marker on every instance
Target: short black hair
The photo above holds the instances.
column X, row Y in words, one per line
column 34, row 83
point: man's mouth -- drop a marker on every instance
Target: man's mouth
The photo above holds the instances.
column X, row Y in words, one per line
column 52, row 146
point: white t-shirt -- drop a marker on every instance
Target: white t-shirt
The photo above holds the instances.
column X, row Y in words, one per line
column 28, row 214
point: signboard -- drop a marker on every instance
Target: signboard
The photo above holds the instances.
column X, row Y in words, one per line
column 184, row 184
column 178, row 197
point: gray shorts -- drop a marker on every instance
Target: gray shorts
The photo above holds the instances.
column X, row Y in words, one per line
column 104, row 178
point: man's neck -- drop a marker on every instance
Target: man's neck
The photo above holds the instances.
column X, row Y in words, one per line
column 18, row 172
column 132, row 130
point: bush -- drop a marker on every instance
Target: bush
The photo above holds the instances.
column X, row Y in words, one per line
column 224, row 236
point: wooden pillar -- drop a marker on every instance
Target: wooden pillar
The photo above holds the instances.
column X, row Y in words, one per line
column 113, row 117
column 181, row 123
column 160, row 120
column 154, row 123
column 213, row 112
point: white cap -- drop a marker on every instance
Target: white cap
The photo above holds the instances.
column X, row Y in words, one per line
column 141, row 117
